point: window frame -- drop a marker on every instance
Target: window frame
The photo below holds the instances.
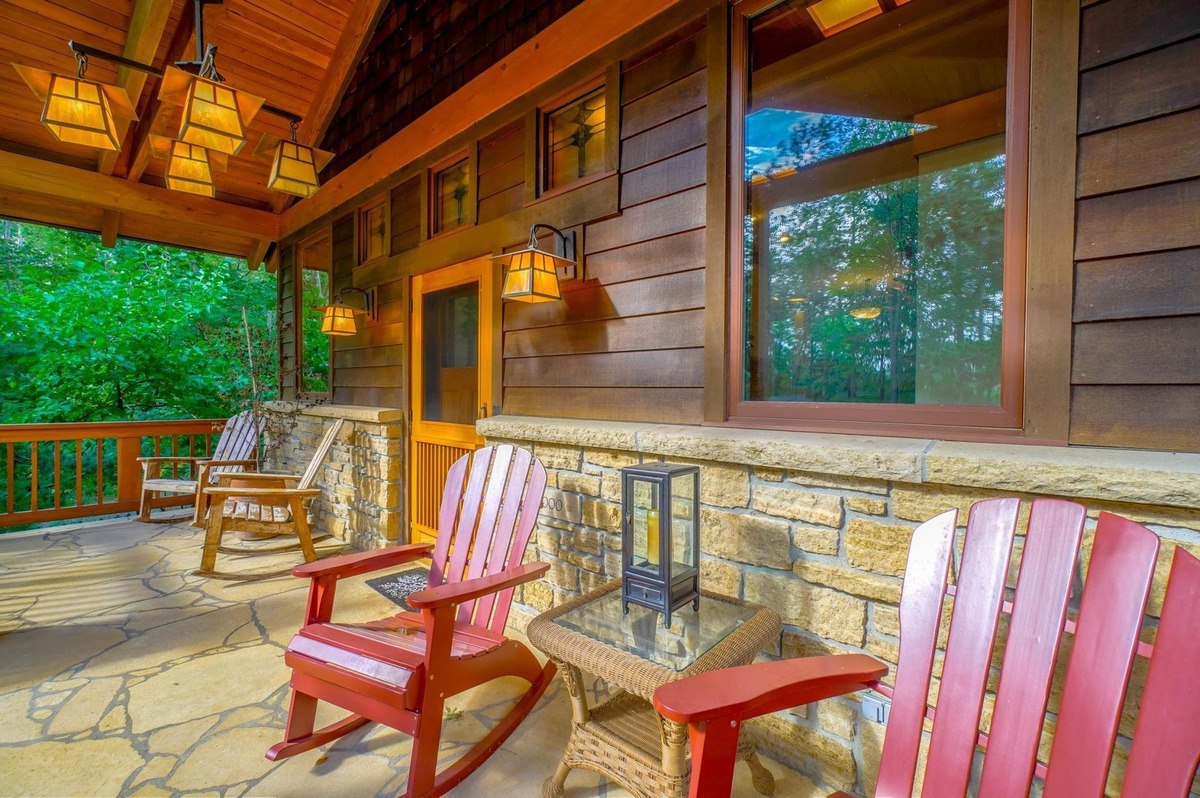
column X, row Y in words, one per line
column 1005, row 419
column 537, row 151
column 429, row 198
column 298, row 268
column 360, row 229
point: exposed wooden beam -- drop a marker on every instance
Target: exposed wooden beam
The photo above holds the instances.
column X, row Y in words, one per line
column 139, row 147
column 147, row 24
column 351, row 47
column 582, row 33
column 21, row 173
column 110, row 225
column 257, row 253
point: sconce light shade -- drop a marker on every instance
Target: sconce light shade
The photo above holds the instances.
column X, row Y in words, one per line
column 532, row 274
column 294, row 166
column 214, row 116
column 339, row 320
column 78, row 111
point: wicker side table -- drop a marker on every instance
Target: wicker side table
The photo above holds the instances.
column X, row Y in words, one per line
column 622, row 737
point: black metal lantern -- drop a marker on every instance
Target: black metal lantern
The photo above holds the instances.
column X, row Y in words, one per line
column 660, row 549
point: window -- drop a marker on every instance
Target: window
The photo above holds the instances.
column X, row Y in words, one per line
column 877, row 273
column 574, row 141
column 452, row 202
column 373, row 226
column 313, row 260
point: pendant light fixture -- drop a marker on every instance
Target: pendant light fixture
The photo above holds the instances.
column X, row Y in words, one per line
column 189, row 168
column 215, row 116
column 294, row 166
column 79, row 111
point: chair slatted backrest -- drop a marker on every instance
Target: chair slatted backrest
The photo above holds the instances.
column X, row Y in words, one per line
column 319, row 455
column 238, row 441
column 489, row 508
column 1106, row 641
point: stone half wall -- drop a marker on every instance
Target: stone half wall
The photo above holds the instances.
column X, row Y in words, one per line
column 362, row 480
column 818, row 527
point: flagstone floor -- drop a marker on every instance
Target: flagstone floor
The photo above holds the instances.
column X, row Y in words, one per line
column 121, row 673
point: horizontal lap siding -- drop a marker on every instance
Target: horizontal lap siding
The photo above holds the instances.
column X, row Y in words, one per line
column 502, row 172
column 627, row 342
column 1136, row 356
column 368, row 368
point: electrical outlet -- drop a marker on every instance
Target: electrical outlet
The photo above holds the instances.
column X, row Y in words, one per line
column 876, row 708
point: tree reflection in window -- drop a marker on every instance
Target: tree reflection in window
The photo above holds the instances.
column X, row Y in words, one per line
column 452, row 189
column 874, row 242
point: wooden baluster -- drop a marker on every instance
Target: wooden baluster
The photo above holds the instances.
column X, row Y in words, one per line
column 99, row 471
column 129, row 471
column 11, row 485
column 79, row 473
column 175, row 453
column 33, row 478
column 57, row 474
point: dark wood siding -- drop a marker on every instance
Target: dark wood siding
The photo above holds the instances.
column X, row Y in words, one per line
column 1136, row 347
column 287, row 324
column 627, row 342
column 368, row 368
column 502, row 172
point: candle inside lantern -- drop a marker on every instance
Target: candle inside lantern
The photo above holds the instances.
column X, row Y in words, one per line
column 652, row 536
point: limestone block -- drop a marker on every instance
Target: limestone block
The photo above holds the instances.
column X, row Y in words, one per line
column 799, row 505
column 724, row 485
column 610, row 486
column 557, row 456
column 861, row 504
column 849, row 580
column 587, row 562
column 836, row 482
column 610, row 458
column 575, row 482
column 563, row 575
column 583, row 539
column 882, row 548
column 815, row 539
column 825, row 612
column 886, row 619
column 720, row 576
column 538, row 595
column 601, row 515
column 746, row 538
column 769, row 474
column 839, row 716
column 589, row 580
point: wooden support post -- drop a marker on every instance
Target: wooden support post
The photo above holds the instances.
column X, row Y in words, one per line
column 110, row 225
column 129, row 471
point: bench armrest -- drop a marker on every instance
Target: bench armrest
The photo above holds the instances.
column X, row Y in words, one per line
column 225, row 477
column 180, row 459
column 362, row 562
column 264, row 493
column 461, row 592
column 752, row 690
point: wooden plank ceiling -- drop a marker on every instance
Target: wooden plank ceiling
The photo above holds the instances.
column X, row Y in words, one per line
column 297, row 54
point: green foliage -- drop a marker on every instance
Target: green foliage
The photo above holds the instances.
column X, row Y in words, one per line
column 140, row 331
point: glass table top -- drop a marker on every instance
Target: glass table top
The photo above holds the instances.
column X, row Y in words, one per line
column 691, row 635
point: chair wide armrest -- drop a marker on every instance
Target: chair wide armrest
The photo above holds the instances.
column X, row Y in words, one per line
column 362, row 562
column 752, row 690
column 225, row 477
column 180, row 459
column 460, row 592
column 220, row 463
column 264, row 493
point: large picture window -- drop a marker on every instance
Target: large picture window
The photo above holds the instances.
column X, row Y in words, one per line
column 879, row 206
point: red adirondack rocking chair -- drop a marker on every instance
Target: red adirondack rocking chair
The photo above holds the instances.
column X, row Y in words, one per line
column 1166, row 739
column 399, row 671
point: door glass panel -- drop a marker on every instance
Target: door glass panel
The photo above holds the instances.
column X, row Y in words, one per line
column 450, row 337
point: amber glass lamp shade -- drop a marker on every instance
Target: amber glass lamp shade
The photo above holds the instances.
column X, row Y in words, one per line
column 188, row 169
column 294, row 168
column 338, row 320
column 532, row 276
column 835, row 16
column 214, row 116
column 79, row 111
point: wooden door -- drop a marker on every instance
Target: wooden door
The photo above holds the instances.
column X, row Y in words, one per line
column 452, row 378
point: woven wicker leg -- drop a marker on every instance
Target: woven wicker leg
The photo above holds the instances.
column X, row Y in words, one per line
column 553, row 786
column 763, row 779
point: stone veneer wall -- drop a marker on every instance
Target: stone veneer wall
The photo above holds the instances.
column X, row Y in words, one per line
column 817, row 527
column 361, row 483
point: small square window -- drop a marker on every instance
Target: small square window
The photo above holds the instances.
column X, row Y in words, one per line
column 451, row 188
column 574, row 140
column 373, row 231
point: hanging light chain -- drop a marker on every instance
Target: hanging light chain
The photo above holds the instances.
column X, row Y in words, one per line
column 83, row 63
column 295, row 125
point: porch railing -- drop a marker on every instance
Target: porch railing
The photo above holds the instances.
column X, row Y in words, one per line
column 54, row 472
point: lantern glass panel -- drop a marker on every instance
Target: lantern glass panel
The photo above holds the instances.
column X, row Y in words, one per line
column 646, row 524
column 683, row 508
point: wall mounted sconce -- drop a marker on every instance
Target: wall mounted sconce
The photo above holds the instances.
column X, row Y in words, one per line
column 338, row 318
column 533, row 273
